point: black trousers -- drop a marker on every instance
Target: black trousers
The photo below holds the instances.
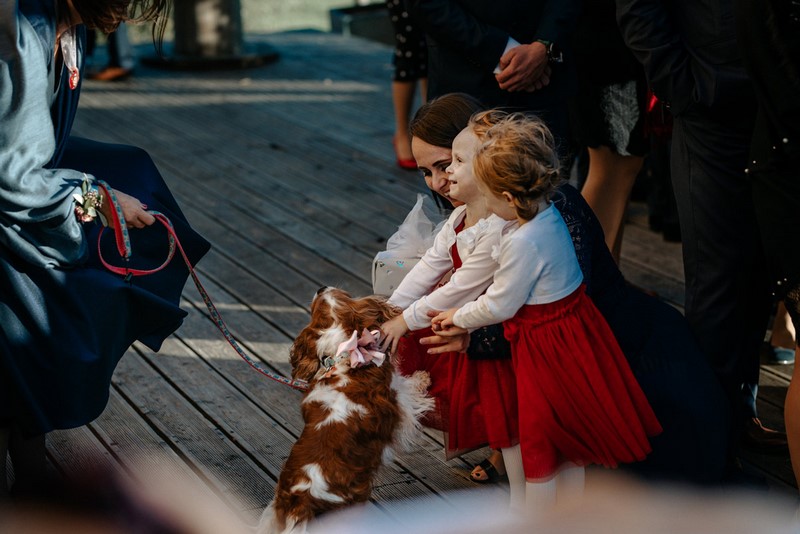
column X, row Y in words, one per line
column 727, row 296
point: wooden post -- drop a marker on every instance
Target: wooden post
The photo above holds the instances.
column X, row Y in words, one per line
column 208, row 28
column 208, row 35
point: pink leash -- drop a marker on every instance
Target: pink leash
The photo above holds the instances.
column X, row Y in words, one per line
column 123, row 243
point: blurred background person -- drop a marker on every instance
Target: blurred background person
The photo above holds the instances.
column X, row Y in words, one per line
column 410, row 70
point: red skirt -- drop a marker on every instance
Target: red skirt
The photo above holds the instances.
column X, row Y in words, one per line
column 578, row 399
column 476, row 400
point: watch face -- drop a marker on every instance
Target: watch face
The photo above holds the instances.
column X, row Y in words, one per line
column 554, row 54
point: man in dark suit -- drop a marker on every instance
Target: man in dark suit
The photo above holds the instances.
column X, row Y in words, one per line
column 689, row 52
column 507, row 53
column 769, row 38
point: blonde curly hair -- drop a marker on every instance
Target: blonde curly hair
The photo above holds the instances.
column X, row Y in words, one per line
column 517, row 155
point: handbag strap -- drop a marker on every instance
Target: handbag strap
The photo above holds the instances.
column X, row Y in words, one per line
column 124, row 247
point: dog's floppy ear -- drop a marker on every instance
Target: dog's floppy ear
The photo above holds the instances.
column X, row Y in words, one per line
column 303, row 356
column 376, row 310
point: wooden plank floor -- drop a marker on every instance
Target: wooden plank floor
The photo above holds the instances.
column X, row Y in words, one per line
column 289, row 171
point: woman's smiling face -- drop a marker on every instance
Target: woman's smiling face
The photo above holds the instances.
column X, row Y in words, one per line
column 433, row 160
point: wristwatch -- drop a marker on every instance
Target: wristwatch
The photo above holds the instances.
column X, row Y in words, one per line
column 554, row 54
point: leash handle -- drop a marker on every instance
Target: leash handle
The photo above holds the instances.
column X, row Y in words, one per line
column 124, row 248
column 121, row 236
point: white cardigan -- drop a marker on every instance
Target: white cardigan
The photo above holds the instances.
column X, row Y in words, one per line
column 537, row 266
column 477, row 247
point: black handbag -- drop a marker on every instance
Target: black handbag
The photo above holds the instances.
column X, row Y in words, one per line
column 489, row 343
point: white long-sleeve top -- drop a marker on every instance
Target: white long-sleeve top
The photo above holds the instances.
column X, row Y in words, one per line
column 477, row 248
column 537, row 266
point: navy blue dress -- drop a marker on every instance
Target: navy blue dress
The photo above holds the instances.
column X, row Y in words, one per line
column 672, row 371
column 65, row 323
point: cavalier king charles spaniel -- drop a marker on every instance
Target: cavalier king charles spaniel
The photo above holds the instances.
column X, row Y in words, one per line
column 357, row 408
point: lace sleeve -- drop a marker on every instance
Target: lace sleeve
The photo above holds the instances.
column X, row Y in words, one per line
column 598, row 266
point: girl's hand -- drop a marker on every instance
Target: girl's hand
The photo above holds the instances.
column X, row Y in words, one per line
column 134, row 212
column 443, row 321
column 393, row 330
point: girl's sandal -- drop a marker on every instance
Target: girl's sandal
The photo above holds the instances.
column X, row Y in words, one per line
column 491, row 475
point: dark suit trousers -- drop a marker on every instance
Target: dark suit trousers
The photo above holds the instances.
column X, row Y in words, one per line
column 727, row 297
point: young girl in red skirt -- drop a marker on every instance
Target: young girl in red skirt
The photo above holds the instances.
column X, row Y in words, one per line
column 475, row 406
column 578, row 400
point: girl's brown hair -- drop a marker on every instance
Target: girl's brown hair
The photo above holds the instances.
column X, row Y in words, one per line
column 517, row 155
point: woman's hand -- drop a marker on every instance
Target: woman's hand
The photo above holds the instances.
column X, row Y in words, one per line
column 393, row 330
column 453, row 340
column 134, row 212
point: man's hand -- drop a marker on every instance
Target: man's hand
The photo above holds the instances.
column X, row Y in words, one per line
column 393, row 330
column 524, row 68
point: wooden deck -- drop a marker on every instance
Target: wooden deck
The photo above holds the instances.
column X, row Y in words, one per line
column 289, row 171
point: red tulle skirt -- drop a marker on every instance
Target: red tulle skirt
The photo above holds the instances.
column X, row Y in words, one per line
column 578, row 399
column 476, row 400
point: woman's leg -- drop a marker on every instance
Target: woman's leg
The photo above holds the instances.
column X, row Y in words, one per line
column 607, row 190
column 29, row 457
column 791, row 415
column 403, row 100
column 783, row 334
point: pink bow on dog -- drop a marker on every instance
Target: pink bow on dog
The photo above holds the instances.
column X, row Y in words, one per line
column 362, row 350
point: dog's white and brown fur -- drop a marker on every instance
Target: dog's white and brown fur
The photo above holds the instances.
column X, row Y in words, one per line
column 353, row 417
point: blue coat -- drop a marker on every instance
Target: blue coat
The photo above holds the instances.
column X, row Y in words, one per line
column 65, row 321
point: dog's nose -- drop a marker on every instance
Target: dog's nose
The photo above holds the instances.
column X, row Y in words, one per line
column 320, row 290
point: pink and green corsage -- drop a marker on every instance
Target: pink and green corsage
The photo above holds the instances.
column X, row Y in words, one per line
column 88, row 202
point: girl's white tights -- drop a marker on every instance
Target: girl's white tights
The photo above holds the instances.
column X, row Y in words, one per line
column 532, row 497
column 512, row 458
column 570, row 482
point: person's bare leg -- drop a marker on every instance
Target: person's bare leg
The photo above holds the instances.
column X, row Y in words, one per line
column 791, row 417
column 783, row 334
column 29, row 457
column 4, row 436
column 403, row 100
column 607, row 190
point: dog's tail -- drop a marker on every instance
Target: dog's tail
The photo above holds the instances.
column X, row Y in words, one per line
column 414, row 402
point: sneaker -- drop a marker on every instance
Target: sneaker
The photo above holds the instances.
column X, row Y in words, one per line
column 780, row 356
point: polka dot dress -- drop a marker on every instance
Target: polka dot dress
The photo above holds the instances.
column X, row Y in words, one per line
column 410, row 53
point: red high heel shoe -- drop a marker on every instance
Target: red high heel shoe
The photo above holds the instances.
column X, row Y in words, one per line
column 405, row 164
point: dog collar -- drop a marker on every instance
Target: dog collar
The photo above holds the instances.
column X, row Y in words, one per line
column 361, row 350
